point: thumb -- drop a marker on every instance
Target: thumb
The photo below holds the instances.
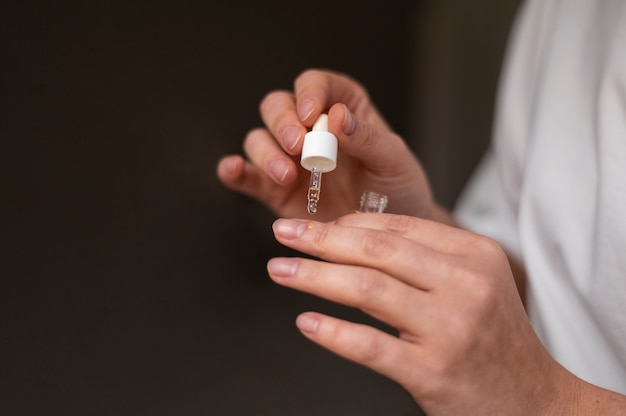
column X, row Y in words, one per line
column 379, row 149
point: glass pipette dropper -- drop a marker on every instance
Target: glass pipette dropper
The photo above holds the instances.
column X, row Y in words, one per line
column 319, row 155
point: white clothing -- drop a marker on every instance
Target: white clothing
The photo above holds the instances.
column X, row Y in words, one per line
column 552, row 188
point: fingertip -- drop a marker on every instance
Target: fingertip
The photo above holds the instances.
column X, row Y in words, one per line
column 308, row 323
column 309, row 88
column 341, row 120
column 230, row 167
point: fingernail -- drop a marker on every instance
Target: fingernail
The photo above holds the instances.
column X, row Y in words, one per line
column 289, row 229
column 305, row 108
column 307, row 323
column 278, row 170
column 349, row 124
column 230, row 165
column 282, row 267
column 291, row 137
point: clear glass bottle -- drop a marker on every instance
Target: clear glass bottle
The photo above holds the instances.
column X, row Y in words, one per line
column 373, row 202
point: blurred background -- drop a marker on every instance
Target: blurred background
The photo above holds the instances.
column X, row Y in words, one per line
column 132, row 282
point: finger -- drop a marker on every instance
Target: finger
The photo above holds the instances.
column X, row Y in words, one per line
column 266, row 154
column 377, row 294
column 316, row 91
column 240, row 176
column 413, row 263
column 385, row 161
column 419, row 230
column 383, row 152
column 383, row 353
column 278, row 111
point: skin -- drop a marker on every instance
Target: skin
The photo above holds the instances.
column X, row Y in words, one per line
column 464, row 344
column 371, row 155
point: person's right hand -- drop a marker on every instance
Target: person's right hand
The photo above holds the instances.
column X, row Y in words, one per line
column 371, row 156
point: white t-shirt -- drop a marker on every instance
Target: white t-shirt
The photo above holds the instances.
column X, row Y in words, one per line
column 552, row 188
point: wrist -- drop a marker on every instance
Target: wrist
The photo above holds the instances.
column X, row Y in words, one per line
column 576, row 397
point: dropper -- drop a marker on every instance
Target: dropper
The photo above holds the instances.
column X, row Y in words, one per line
column 319, row 155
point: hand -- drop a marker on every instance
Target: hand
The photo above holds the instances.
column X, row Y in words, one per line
column 464, row 344
column 371, row 156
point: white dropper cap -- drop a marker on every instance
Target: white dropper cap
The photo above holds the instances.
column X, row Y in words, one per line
column 319, row 149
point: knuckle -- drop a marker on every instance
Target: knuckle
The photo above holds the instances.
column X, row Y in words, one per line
column 487, row 246
column 479, row 288
column 272, row 103
column 378, row 245
column 306, row 76
column 319, row 233
column 270, row 99
column 399, row 223
column 484, row 291
column 266, row 101
column 369, row 136
column 315, row 72
column 254, row 133
column 369, row 286
column 483, row 277
column 369, row 349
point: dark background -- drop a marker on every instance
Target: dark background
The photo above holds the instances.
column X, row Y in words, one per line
column 132, row 282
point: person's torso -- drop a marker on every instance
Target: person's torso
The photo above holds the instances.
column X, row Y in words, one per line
column 562, row 132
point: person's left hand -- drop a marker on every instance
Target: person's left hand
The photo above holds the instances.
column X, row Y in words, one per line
column 464, row 344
